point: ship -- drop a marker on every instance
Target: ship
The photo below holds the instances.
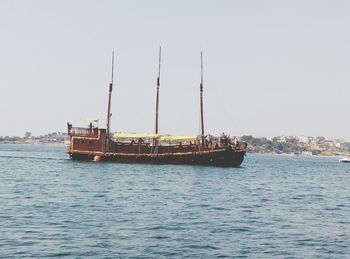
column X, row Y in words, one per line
column 92, row 143
column 345, row 160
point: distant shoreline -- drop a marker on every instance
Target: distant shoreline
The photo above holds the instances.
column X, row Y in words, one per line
column 61, row 144
column 276, row 146
column 297, row 146
column 34, row 144
column 295, row 155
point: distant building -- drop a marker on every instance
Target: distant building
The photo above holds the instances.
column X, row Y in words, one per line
column 306, row 153
column 320, row 140
column 304, row 140
column 281, row 139
column 328, row 143
column 338, row 143
column 313, row 142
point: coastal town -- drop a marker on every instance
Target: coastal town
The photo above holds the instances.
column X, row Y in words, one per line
column 28, row 138
column 297, row 145
column 291, row 145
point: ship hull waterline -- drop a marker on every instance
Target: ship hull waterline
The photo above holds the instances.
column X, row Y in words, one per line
column 222, row 158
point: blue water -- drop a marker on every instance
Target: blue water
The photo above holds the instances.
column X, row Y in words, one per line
column 272, row 207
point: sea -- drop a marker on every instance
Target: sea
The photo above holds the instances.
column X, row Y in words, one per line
column 270, row 207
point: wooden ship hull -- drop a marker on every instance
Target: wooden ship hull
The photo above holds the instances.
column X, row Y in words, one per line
column 95, row 144
column 222, row 158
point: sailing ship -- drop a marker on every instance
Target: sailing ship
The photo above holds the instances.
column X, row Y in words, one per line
column 99, row 144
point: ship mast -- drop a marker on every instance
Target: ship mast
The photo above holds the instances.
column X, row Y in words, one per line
column 109, row 98
column 201, row 101
column 158, row 84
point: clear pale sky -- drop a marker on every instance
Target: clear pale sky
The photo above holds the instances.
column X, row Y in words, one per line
column 270, row 67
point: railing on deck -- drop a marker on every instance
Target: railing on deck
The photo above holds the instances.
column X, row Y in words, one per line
column 88, row 132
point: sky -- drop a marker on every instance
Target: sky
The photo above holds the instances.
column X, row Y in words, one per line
column 270, row 67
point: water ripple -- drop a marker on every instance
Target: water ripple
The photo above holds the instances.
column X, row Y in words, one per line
column 271, row 207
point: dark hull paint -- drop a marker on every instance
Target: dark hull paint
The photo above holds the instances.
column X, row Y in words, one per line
column 224, row 158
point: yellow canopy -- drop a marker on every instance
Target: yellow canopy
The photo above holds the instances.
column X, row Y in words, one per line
column 135, row 135
column 157, row 136
column 178, row 138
